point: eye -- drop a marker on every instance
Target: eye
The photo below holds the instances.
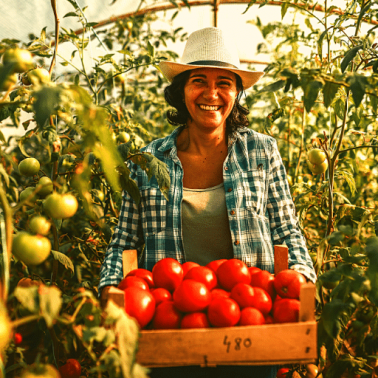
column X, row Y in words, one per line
column 224, row 83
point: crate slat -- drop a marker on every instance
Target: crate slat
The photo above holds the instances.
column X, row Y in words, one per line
column 248, row 345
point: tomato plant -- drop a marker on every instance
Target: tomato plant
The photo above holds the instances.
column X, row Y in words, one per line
column 29, row 167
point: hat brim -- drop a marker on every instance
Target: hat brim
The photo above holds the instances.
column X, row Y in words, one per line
column 172, row 69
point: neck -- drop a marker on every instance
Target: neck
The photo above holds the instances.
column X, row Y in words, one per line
column 201, row 142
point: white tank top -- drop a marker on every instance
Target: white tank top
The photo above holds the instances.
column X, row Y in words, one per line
column 206, row 230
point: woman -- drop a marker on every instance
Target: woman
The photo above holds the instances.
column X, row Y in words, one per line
column 229, row 195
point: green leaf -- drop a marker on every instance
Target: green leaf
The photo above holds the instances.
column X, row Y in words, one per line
column 47, row 99
column 4, row 174
column 329, row 93
column 349, row 56
column 349, row 178
column 131, row 187
column 64, row 260
column 159, row 169
column 372, row 271
column 50, row 302
column 150, row 49
column 311, row 92
column 320, row 44
column 331, row 317
column 127, row 332
column 252, row 2
column 357, row 84
column 100, row 335
column 70, row 14
column 284, row 8
column 28, row 297
column 274, row 86
column 339, row 108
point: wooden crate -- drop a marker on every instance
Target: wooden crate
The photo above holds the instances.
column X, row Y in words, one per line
column 248, row 345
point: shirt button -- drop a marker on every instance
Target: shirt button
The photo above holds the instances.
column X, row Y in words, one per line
column 237, row 242
column 226, row 168
column 229, row 189
column 232, row 212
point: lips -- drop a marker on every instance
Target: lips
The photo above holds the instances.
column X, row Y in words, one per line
column 210, row 107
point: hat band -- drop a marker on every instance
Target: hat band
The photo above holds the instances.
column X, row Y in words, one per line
column 212, row 63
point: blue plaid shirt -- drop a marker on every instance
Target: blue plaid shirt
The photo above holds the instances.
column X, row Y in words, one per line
column 260, row 209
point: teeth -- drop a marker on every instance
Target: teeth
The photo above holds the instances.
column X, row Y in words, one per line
column 208, row 107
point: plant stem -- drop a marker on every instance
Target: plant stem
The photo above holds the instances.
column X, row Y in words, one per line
column 26, row 319
column 7, row 249
column 57, row 22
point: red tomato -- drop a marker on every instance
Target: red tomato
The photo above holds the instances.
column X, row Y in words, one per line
column 17, row 338
column 251, row 316
column 191, row 296
column 214, row 265
column 253, row 270
column 265, row 280
column 223, row 312
column 143, row 273
column 247, row 296
column 204, row 275
column 269, row 319
column 139, row 304
column 188, row 265
column 232, row 272
column 167, row 273
column 286, row 310
column 282, row 373
column 160, row 294
column 71, row 369
column 134, row 281
column 195, row 320
column 217, row 292
column 288, row 283
column 166, row 316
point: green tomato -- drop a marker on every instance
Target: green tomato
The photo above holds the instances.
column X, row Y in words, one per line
column 317, row 169
column 39, row 225
column 47, row 186
column 9, row 82
column 316, row 156
column 60, row 206
column 26, row 193
column 31, row 249
column 41, row 371
column 123, row 137
column 22, row 59
column 38, row 76
column 99, row 194
column 5, row 328
column 29, row 167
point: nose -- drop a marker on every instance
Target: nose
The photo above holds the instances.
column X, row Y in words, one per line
column 210, row 92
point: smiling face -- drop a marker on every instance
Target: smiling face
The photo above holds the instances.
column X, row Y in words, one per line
column 210, row 95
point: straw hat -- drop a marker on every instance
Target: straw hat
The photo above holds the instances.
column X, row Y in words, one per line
column 209, row 47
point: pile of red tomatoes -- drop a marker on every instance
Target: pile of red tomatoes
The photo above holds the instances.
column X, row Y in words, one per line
column 224, row 293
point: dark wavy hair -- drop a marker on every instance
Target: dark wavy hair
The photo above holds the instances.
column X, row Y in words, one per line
column 174, row 94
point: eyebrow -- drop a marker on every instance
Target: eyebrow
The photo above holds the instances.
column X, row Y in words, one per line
column 219, row 77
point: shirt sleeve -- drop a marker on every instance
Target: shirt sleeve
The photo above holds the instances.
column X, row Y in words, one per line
column 283, row 221
column 126, row 236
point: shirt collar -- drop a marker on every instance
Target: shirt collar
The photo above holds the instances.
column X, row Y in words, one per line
column 170, row 141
